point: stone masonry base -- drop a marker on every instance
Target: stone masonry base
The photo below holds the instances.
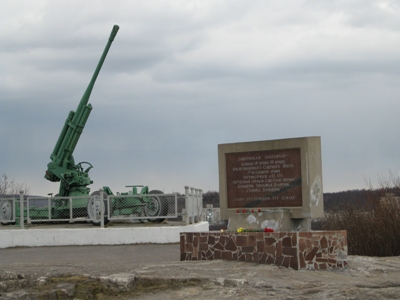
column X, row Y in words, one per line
column 303, row 250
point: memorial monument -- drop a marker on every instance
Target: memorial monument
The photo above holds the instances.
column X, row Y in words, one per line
column 275, row 184
column 268, row 185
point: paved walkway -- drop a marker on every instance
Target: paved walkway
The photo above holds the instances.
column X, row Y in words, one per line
column 93, row 259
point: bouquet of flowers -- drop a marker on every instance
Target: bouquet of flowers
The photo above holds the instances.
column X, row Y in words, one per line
column 241, row 229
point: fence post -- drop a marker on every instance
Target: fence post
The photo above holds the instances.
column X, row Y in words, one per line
column 196, row 204
column 176, row 204
column 21, row 209
column 49, row 202
column 192, row 203
column 71, row 213
column 187, row 204
column 200, row 204
column 28, row 221
column 101, row 208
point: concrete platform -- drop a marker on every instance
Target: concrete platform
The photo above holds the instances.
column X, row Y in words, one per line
column 75, row 234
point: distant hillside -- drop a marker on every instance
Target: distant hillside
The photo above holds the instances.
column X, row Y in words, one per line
column 338, row 200
column 362, row 199
column 211, row 197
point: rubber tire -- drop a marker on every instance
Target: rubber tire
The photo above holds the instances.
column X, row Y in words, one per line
column 163, row 208
column 106, row 220
column 4, row 202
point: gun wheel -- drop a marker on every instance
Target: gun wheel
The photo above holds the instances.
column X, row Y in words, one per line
column 94, row 208
column 156, row 207
column 6, row 212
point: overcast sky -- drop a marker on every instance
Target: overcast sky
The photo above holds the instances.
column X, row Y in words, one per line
column 184, row 76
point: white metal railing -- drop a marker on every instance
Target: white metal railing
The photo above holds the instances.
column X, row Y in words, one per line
column 193, row 205
column 141, row 207
column 57, row 209
column 112, row 207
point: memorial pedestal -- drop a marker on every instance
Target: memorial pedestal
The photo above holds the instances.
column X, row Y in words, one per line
column 311, row 250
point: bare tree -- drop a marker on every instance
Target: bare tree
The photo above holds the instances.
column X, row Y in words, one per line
column 392, row 181
column 11, row 187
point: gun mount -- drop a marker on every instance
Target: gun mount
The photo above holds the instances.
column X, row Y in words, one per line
column 74, row 179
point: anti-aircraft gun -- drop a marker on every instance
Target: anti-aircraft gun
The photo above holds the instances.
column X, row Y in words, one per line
column 74, row 178
column 73, row 200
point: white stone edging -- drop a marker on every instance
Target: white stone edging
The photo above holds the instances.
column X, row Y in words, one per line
column 96, row 236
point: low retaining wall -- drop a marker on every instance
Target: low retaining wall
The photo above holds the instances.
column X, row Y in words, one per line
column 95, row 235
column 304, row 250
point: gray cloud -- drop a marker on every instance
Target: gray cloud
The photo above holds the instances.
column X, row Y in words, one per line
column 183, row 77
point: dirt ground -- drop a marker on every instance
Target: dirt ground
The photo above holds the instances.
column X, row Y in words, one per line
column 155, row 272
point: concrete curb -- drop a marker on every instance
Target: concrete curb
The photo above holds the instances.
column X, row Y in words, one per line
column 96, row 236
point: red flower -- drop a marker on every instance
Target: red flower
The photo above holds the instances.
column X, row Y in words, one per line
column 244, row 210
column 259, row 210
column 268, row 230
column 237, row 211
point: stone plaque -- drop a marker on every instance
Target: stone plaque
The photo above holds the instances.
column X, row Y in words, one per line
column 270, row 178
column 273, row 183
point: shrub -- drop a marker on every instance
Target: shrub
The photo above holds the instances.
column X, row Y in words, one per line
column 373, row 232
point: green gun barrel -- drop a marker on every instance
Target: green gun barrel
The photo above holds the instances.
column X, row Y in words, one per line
column 62, row 161
column 76, row 121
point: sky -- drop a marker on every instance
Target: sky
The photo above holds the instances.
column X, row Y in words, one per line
column 182, row 77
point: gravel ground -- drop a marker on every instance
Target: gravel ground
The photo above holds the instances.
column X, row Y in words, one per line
column 155, row 272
